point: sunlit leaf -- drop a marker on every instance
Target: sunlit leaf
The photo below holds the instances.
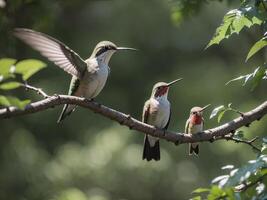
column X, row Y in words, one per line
column 255, row 77
column 256, row 47
column 228, row 167
column 13, row 101
column 235, row 79
column 219, row 178
column 237, row 19
column 5, row 64
column 10, row 85
column 245, row 171
column 215, row 193
column 200, row 190
column 216, row 110
column 196, row 198
column 29, row 67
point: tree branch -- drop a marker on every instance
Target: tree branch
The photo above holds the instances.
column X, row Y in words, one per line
column 126, row 119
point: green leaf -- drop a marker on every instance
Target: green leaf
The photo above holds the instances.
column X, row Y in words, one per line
column 221, row 115
column 5, row 64
column 237, row 19
column 196, row 198
column 256, row 47
column 256, row 77
column 201, row 190
column 29, row 67
column 216, row 111
column 242, row 174
column 215, row 193
column 10, row 85
column 13, row 101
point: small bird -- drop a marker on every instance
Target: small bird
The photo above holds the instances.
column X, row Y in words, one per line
column 195, row 124
column 88, row 76
column 156, row 112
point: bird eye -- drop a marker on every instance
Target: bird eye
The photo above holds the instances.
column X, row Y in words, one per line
column 194, row 113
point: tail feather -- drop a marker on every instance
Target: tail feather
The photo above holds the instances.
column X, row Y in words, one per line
column 67, row 110
column 193, row 149
column 151, row 152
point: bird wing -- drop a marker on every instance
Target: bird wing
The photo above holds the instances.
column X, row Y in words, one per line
column 74, row 84
column 146, row 111
column 187, row 126
column 54, row 50
column 167, row 125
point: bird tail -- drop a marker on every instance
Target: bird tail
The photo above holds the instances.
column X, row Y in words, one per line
column 193, row 149
column 151, row 152
column 67, row 110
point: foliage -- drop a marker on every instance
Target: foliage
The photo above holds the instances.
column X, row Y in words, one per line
column 221, row 110
column 250, row 13
column 249, row 181
column 13, row 74
column 259, row 74
column 237, row 19
column 257, row 46
column 246, row 182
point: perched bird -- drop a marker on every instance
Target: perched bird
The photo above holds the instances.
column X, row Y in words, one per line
column 195, row 124
column 156, row 112
column 88, row 76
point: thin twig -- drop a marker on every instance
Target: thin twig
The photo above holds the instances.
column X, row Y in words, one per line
column 37, row 90
column 238, row 140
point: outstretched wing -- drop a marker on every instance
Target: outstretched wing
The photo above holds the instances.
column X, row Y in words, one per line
column 54, row 50
column 146, row 112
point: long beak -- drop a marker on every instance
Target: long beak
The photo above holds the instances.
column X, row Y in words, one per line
column 126, row 48
column 169, row 84
column 205, row 107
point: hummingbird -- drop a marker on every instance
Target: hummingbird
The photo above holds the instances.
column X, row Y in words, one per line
column 88, row 76
column 156, row 112
column 195, row 124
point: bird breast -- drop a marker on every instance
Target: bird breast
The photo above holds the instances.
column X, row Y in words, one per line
column 195, row 128
column 94, row 80
column 159, row 112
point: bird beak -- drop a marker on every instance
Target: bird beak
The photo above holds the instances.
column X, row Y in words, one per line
column 126, row 48
column 169, row 84
column 205, row 107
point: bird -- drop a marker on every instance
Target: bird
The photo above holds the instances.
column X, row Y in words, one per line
column 156, row 112
column 195, row 124
column 88, row 76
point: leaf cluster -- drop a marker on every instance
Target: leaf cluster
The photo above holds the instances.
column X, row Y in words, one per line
column 14, row 74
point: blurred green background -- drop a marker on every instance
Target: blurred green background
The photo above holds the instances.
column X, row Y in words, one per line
column 91, row 157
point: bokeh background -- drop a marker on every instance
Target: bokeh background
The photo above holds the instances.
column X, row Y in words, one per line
column 91, row 157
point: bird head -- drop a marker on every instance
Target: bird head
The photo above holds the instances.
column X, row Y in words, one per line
column 161, row 89
column 105, row 49
column 198, row 111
